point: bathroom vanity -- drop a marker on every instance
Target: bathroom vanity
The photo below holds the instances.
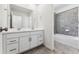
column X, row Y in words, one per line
column 20, row 41
column 16, row 40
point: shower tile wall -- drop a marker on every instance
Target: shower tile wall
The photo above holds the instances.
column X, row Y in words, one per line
column 67, row 22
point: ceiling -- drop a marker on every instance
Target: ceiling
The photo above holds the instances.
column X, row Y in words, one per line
column 57, row 6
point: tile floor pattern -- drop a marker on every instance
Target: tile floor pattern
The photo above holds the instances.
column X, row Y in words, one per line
column 40, row 50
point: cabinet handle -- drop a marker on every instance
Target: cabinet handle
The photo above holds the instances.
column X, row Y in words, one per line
column 13, row 49
column 30, row 39
column 13, row 41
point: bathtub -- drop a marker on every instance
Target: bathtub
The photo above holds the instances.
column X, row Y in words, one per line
column 67, row 40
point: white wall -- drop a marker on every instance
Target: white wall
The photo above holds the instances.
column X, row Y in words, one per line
column 3, row 15
column 47, row 19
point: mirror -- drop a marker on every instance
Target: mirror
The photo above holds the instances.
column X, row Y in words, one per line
column 20, row 20
column 16, row 21
column 20, row 17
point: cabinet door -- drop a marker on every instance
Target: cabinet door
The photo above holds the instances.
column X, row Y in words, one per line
column 40, row 39
column 24, row 43
column 34, row 41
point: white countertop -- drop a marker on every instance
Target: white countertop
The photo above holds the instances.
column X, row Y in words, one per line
column 22, row 30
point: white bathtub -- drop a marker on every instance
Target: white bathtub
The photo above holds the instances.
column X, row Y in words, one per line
column 67, row 40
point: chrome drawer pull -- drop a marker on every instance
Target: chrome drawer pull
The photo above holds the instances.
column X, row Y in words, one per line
column 13, row 49
column 13, row 41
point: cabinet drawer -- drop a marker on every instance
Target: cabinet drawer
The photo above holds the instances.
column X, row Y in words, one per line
column 37, row 32
column 12, row 49
column 25, row 34
column 12, row 41
column 16, row 35
column 13, row 35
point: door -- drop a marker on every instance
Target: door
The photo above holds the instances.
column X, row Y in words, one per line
column 24, row 43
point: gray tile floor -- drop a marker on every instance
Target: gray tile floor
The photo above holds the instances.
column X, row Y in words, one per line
column 59, row 49
column 40, row 50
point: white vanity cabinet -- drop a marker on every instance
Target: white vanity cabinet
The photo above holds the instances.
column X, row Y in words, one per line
column 17, row 42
